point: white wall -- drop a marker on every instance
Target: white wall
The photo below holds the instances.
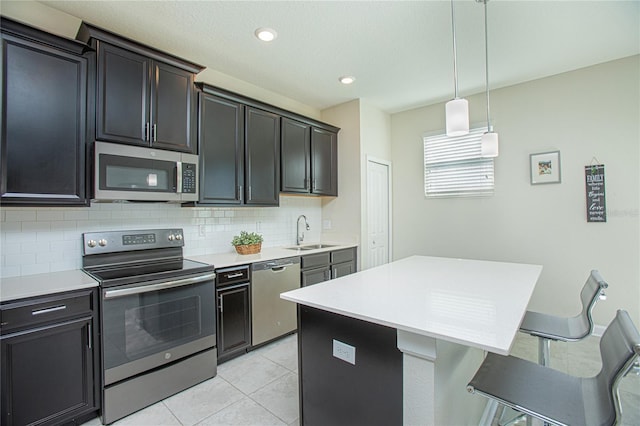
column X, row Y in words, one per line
column 375, row 141
column 38, row 240
column 365, row 131
column 344, row 211
column 592, row 112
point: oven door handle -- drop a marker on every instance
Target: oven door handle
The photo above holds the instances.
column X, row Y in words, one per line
column 111, row 294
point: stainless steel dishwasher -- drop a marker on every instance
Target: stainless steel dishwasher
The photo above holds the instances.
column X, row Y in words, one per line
column 271, row 316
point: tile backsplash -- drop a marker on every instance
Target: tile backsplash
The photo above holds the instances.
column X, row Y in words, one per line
column 38, row 240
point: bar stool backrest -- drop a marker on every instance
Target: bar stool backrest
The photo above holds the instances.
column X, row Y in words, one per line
column 589, row 295
column 619, row 348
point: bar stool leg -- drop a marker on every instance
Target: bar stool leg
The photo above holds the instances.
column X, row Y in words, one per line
column 544, row 346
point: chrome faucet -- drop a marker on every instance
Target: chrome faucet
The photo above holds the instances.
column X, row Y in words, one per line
column 299, row 236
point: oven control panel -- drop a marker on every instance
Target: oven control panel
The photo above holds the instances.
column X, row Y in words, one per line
column 122, row 241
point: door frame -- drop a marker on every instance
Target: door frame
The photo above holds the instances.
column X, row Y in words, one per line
column 372, row 159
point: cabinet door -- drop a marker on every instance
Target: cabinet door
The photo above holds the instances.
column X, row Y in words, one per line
column 234, row 319
column 221, row 137
column 342, row 269
column 295, row 145
column 47, row 374
column 262, row 157
column 122, row 104
column 315, row 276
column 172, row 108
column 324, row 162
column 44, row 101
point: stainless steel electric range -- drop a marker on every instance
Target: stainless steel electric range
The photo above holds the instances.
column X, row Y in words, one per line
column 157, row 311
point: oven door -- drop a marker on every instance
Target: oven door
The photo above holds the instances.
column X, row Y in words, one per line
column 153, row 324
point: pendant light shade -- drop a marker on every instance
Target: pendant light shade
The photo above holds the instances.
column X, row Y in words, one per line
column 457, row 117
column 456, row 110
column 489, row 144
column 489, row 141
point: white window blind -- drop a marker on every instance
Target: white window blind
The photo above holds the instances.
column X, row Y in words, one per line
column 453, row 166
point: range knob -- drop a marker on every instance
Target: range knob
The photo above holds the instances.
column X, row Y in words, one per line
column 179, row 237
column 171, row 237
column 92, row 243
column 102, row 242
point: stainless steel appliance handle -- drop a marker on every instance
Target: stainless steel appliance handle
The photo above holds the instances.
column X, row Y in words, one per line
column 48, row 310
column 110, row 294
column 281, row 268
column 179, row 177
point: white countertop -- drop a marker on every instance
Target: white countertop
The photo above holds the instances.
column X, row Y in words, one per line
column 14, row 288
column 41, row 284
column 470, row 302
column 224, row 260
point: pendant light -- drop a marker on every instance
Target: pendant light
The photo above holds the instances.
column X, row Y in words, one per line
column 457, row 109
column 489, row 141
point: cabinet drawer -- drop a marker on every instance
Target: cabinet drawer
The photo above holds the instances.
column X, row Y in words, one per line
column 345, row 255
column 231, row 275
column 14, row 315
column 314, row 260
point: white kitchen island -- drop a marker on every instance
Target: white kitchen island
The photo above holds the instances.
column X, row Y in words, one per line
column 444, row 311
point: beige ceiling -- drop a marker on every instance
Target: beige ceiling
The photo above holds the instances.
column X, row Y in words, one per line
column 399, row 51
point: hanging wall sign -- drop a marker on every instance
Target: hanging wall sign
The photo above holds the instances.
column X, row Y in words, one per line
column 596, row 203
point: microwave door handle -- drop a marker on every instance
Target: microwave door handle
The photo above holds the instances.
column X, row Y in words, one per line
column 179, row 177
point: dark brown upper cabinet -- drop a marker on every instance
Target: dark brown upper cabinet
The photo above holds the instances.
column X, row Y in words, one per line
column 324, row 162
column 45, row 94
column 309, row 159
column 143, row 96
column 221, row 136
column 262, row 157
column 239, row 147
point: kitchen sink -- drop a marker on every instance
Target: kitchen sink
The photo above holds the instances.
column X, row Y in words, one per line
column 311, row 247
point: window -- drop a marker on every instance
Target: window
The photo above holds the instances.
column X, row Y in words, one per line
column 453, row 166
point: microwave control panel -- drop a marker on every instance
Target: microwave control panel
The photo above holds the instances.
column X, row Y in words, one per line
column 189, row 178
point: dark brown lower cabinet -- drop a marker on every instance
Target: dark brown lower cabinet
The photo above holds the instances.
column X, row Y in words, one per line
column 233, row 295
column 48, row 368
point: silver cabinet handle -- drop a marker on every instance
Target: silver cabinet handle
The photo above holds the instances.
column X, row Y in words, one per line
column 236, row 275
column 155, row 132
column 146, row 131
column 240, row 193
column 110, row 294
column 90, row 334
column 48, row 310
column 221, row 304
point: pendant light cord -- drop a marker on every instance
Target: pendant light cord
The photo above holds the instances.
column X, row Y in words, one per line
column 486, row 63
column 455, row 61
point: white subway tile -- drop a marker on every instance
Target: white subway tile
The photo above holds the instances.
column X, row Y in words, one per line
column 20, row 215
column 39, row 268
column 48, row 215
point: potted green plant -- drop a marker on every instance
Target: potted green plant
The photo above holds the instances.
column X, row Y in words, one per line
column 247, row 242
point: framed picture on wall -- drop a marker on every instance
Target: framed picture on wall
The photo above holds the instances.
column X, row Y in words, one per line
column 545, row 167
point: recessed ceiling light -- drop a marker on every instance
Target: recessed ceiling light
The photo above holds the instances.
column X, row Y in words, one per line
column 266, row 34
column 347, row 79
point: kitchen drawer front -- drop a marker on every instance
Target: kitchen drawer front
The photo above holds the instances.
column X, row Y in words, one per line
column 41, row 310
column 314, row 260
column 345, row 255
column 232, row 275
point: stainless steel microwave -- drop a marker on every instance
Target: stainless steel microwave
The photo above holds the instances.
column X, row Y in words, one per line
column 125, row 172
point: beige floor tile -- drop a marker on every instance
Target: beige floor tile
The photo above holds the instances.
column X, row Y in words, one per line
column 201, row 401
column 280, row 397
column 244, row 412
column 250, row 372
